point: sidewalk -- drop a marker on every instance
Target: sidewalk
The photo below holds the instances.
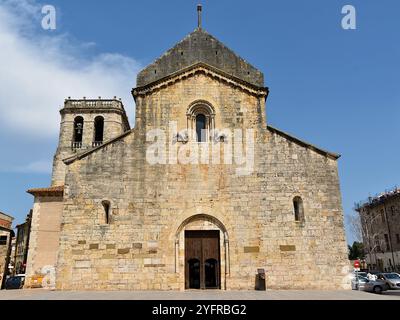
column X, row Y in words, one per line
column 42, row 294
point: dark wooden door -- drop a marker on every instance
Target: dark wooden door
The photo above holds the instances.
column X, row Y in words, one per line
column 202, row 260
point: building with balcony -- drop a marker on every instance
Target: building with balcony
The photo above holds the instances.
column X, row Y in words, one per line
column 380, row 224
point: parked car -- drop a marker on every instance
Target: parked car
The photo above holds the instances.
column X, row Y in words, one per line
column 353, row 277
column 360, row 284
column 391, row 279
column 360, row 273
column 15, row 282
column 364, row 284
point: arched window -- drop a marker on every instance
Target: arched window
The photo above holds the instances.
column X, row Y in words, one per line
column 98, row 131
column 78, row 133
column 201, row 128
column 106, row 207
column 200, row 120
column 298, row 209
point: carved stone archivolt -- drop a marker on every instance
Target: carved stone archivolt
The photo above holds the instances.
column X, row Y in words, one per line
column 201, row 107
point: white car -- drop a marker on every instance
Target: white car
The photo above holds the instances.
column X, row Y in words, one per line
column 391, row 279
column 363, row 284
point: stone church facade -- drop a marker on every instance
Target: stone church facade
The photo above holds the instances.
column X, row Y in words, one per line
column 126, row 213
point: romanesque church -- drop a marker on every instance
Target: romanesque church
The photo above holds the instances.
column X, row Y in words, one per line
column 201, row 193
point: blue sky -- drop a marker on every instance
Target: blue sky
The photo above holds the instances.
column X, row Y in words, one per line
column 338, row 89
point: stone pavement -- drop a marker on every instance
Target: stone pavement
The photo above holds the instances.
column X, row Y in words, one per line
column 41, row 294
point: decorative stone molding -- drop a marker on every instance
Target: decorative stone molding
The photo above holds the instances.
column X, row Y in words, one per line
column 201, row 107
column 201, row 68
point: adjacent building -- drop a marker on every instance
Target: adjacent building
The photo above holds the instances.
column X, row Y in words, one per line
column 380, row 223
column 44, row 233
column 22, row 245
column 11, row 265
column 6, row 235
column 201, row 194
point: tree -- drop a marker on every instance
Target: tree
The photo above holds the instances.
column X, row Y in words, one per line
column 356, row 227
column 356, row 251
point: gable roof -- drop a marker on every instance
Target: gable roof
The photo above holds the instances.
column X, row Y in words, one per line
column 6, row 215
column 305, row 144
column 200, row 46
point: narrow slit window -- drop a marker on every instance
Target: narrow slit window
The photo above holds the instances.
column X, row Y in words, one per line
column 298, row 209
column 106, row 207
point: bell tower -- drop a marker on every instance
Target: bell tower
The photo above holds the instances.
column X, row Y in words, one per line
column 86, row 124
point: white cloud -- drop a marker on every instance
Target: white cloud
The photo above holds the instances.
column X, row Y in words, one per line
column 39, row 69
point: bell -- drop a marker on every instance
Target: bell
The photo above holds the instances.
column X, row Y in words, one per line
column 79, row 128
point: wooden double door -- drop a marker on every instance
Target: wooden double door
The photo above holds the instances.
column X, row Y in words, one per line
column 202, row 260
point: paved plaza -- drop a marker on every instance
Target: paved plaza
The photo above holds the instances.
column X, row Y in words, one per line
column 41, row 294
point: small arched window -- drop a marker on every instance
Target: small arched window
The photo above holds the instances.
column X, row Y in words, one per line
column 201, row 128
column 98, row 131
column 200, row 121
column 78, row 132
column 106, row 207
column 298, row 209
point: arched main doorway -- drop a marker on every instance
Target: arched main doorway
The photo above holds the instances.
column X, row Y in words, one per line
column 202, row 253
column 202, row 259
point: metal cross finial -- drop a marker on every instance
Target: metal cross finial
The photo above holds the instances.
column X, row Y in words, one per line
column 199, row 8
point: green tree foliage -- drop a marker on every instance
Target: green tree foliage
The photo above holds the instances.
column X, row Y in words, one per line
column 356, row 251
